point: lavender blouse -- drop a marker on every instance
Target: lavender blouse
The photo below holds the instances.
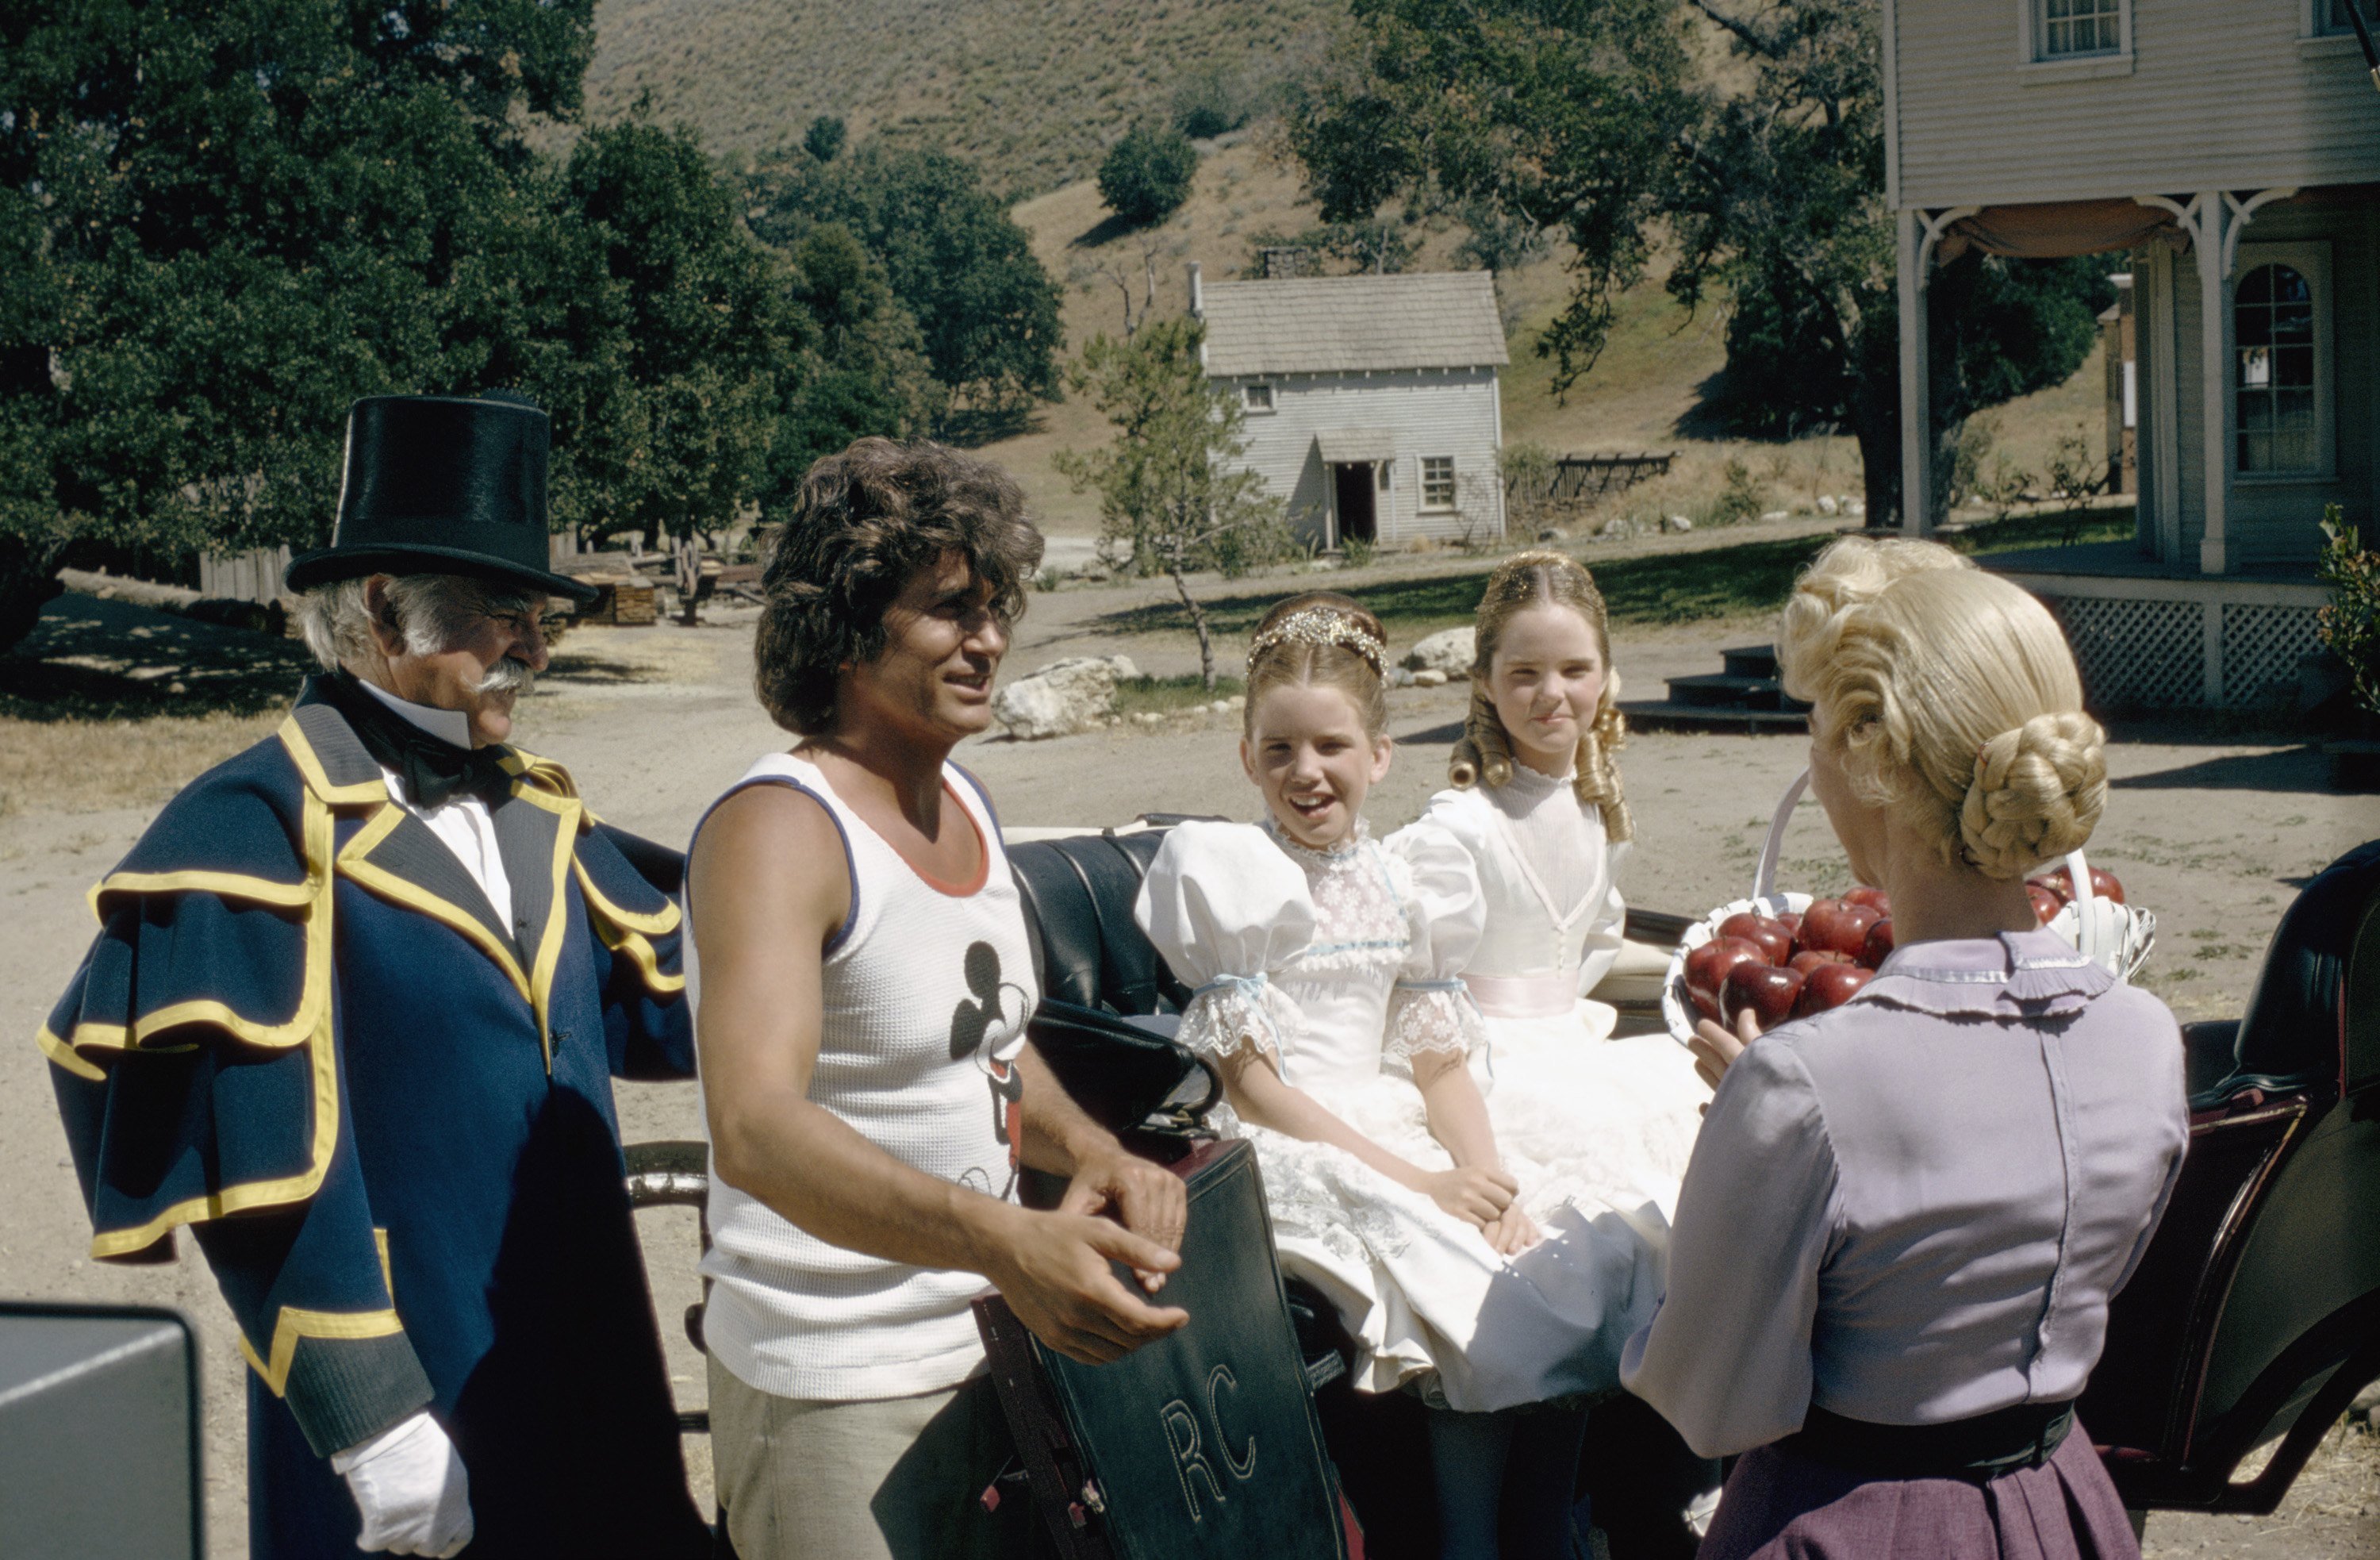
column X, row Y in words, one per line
column 1914, row 1209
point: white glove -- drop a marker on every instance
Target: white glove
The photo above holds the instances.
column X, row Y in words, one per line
column 409, row 1481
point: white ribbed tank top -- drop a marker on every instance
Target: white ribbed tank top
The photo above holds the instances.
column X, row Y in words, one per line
column 926, row 990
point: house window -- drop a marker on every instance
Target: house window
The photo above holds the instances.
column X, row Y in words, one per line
column 2333, row 15
column 1387, row 470
column 2071, row 28
column 2272, row 319
column 1256, row 398
column 1438, row 481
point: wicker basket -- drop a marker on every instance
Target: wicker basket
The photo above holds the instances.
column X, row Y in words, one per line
column 2118, row 937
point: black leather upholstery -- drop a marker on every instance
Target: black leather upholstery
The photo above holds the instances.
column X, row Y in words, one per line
column 2313, row 1016
column 1078, row 893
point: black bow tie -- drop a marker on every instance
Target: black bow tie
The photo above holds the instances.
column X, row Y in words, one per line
column 434, row 771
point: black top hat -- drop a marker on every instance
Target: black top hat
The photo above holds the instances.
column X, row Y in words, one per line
column 442, row 484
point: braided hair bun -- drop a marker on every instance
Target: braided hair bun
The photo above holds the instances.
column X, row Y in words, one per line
column 2037, row 792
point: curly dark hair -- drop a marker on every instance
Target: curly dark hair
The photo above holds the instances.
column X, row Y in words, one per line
column 867, row 520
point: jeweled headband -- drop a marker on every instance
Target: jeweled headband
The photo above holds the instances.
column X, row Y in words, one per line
column 1318, row 625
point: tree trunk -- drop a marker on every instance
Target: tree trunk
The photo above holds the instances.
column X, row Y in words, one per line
column 26, row 581
column 1198, row 622
column 686, row 569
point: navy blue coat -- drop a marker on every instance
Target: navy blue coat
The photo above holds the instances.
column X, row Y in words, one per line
column 387, row 1118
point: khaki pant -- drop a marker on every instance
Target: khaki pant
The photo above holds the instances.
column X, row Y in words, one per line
column 886, row 1479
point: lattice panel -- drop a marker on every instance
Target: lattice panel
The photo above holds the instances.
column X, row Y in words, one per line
column 2136, row 653
column 2261, row 646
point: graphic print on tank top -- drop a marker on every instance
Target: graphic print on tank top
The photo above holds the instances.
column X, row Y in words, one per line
column 972, row 1026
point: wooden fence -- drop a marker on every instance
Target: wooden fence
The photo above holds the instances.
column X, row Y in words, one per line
column 1574, row 477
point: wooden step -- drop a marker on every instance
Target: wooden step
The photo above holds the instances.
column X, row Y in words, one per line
column 1669, row 715
column 1721, row 689
column 1750, row 661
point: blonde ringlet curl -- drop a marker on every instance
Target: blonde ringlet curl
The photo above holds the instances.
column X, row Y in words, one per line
column 1954, row 699
column 1483, row 754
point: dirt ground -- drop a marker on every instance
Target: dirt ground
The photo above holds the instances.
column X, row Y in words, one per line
column 2214, row 835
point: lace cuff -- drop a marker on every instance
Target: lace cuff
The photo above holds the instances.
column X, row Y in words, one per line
column 1430, row 1016
column 1236, row 1011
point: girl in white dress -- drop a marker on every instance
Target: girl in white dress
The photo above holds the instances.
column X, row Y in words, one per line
column 1537, row 805
column 1325, row 965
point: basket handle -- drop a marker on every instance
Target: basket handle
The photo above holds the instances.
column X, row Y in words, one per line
column 1764, row 879
column 2079, row 870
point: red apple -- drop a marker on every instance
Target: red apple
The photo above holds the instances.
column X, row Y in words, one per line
column 1875, row 899
column 1791, row 921
column 1810, row 959
column 1706, row 1005
column 1767, row 991
column 2046, row 904
column 1706, row 967
column 1879, row 945
column 1776, row 944
column 2060, row 882
column 2104, row 884
column 1830, row 987
column 1832, row 925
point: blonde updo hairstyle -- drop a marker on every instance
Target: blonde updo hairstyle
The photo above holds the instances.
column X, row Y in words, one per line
column 1954, row 699
column 1320, row 639
column 1484, row 752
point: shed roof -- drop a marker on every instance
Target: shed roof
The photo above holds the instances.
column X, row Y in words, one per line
column 1337, row 324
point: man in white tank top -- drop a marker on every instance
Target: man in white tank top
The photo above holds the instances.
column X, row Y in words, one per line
column 864, row 978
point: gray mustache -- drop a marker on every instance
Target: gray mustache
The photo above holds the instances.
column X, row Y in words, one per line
column 509, row 675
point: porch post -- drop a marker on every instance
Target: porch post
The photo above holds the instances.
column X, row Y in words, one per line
column 1916, row 411
column 2214, row 344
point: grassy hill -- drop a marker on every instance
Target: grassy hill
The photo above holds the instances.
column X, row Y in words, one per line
column 1031, row 91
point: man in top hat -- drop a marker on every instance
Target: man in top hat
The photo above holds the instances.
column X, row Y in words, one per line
column 353, row 1015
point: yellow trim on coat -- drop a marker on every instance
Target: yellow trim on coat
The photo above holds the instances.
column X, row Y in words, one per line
column 296, row 1324
column 59, row 1052
column 558, row 921
column 355, row 863
column 301, row 752
column 640, row 953
column 325, row 1067
column 224, row 885
column 387, row 1274
column 556, row 780
column 665, row 919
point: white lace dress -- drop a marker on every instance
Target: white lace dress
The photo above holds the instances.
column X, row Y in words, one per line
column 1343, row 966
column 1615, row 1120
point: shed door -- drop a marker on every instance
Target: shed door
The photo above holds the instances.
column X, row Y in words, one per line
column 1352, row 486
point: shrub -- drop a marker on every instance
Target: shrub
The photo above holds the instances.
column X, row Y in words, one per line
column 1210, row 100
column 2350, row 626
column 1739, row 497
column 1147, row 174
column 824, row 137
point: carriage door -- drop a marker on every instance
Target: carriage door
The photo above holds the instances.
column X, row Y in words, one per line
column 1351, row 486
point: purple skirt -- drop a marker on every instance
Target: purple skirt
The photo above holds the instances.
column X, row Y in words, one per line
column 1782, row 1505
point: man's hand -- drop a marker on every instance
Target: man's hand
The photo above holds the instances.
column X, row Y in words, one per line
column 1052, row 1270
column 1148, row 1199
column 1716, row 1050
column 409, row 1481
column 1479, row 1196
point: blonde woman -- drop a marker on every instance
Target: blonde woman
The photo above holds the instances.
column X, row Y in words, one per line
column 1889, row 1274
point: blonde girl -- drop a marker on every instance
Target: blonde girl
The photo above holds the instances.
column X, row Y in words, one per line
column 1326, row 967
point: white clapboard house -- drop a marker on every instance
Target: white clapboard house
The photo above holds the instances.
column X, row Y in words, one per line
column 1371, row 402
column 2226, row 153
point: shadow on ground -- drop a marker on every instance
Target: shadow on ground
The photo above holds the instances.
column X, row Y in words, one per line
column 90, row 659
column 2291, row 769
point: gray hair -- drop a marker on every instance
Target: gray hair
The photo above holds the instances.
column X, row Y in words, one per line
column 433, row 610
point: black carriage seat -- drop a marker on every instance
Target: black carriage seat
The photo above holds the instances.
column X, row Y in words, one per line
column 2312, row 1019
column 1078, row 893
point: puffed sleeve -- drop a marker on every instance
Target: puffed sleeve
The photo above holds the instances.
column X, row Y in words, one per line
column 1430, row 1009
column 1229, row 912
column 1727, row 1357
column 1606, row 928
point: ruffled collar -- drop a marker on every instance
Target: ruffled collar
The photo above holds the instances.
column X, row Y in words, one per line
column 1534, row 786
column 2014, row 975
column 1336, row 855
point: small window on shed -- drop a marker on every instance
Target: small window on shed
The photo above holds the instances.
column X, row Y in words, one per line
column 1256, row 398
column 1438, row 481
column 1386, row 473
column 2067, row 28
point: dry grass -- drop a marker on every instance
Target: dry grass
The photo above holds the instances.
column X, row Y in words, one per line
column 92, row 766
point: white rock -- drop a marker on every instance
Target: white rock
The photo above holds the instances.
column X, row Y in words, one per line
column 1676, row 522
column 1065, row 696
column 1400, row 676
column 1149, row 717
column 1855, row 506
column 1826, row 504
column 1773, row 514
column 1429, row 677
column 1448, row 651
column 1237, row 701
column 1220, row 706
